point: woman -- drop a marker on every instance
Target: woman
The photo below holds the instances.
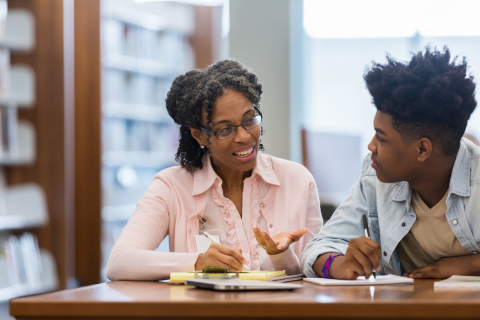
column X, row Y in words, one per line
column 223, row 185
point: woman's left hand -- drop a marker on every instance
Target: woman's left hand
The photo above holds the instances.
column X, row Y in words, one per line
column 279, row 242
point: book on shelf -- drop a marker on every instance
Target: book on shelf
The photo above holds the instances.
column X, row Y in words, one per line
column 10, row 250
column 3, row 17
column 128, row 136
column 31, row 259
column 22, row 256
column 167, row 46
column 135, row 89
column 8, row 131
column 4, row 71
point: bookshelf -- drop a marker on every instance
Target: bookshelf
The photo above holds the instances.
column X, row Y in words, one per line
column 24, row 268
column 112, row 171
column 145, row 45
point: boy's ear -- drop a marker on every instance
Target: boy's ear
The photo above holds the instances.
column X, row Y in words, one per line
column 197, row 135
column 424, row 149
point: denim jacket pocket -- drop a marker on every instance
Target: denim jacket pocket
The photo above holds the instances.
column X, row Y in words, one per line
column 373, row 225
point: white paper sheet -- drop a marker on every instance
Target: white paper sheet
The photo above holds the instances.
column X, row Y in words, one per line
column 361, row 281
column 203, row 243
column 455, row 282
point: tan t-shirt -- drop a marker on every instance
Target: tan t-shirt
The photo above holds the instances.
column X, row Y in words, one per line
column 430, row 237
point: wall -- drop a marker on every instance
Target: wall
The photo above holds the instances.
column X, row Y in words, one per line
column 336, row 99
column 259, row 38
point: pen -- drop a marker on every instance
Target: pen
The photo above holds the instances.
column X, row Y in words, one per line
column 206, row 234
column 367, row 234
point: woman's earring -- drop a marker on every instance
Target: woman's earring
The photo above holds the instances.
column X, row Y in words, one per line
column 201, row 150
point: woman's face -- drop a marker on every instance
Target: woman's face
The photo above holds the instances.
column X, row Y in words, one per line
column 238, row 153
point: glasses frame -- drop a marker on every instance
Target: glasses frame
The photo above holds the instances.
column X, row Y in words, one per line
column 214, row 133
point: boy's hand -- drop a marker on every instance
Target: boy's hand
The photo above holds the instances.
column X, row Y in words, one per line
column 444, row 268
column 363, row 255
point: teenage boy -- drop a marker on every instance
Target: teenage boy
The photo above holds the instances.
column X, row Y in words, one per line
column 419, row 187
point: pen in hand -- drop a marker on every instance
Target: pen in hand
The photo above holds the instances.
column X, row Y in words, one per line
column 206, row 234
column 367, row 234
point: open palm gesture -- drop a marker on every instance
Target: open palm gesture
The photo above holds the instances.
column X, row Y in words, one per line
column 279, row 242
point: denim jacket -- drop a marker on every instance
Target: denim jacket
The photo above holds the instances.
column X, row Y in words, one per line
column 390, row 215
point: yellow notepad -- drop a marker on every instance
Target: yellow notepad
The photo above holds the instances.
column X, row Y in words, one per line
column 249, row 275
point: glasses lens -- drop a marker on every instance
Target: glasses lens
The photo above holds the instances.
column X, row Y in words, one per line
column 226, row 133
column 252, row 122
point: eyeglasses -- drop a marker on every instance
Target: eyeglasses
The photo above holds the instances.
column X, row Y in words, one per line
column 230, row 131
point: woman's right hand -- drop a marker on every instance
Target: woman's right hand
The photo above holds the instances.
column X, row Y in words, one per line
column 220, row 255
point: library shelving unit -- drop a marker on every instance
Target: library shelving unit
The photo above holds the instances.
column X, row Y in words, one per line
column 145, row 45
column 130, row 53
column 24, row 268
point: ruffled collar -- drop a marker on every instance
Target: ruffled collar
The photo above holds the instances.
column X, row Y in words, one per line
column 204, row 178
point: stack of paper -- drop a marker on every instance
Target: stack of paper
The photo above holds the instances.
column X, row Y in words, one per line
column 459, row 282
column 361, row 281
column 250, row 275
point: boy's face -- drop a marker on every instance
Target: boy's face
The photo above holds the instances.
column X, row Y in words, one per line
column 393, row 159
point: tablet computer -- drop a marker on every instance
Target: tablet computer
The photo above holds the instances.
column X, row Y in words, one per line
column 235, row 285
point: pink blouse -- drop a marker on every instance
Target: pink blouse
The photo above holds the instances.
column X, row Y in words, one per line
column 280, row 195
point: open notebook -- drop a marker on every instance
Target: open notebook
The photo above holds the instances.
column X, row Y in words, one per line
column 361, row 281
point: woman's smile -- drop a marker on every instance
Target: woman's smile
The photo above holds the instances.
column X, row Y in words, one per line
column 245, row 154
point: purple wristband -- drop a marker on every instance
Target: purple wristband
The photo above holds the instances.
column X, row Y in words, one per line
column 327, row 264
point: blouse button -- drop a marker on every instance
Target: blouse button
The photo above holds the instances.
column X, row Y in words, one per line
column 271, row 225
column 455, row 222
column 403, row 224
column 262, row 205
column 245, row 249
column 384, row 253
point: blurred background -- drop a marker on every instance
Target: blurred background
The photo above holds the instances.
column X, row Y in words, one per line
column 83, row 124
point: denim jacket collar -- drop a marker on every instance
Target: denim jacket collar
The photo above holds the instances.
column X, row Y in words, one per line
column 459, row 181
column 403, row 191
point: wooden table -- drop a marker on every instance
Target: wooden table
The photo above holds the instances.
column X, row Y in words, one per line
column 155, row 300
